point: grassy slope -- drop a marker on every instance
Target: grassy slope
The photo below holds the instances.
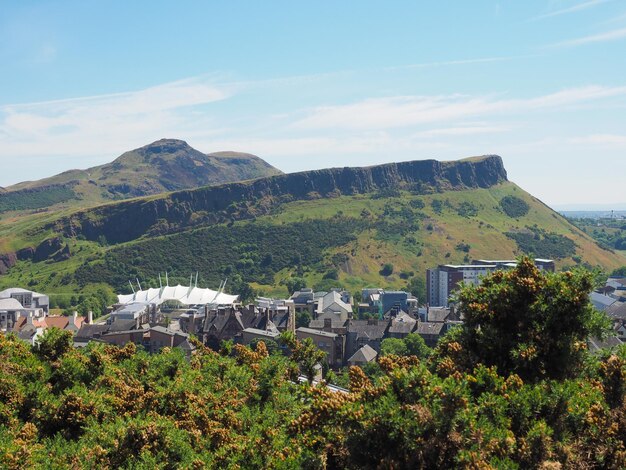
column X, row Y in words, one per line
column 484, row 233
column 449, row 229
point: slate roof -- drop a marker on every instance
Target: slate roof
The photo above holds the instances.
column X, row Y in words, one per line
column 334, row 324
column 316, row 332
column 617, row 311
column 88, row 331
column 123, row 325
column 403, row 323
column 365, row 354
column 601, row 301
column 596, row 344
column 366, row 329
column 429, row 328
column 438, row 314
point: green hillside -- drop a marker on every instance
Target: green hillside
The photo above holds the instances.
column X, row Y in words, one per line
column 343, row 241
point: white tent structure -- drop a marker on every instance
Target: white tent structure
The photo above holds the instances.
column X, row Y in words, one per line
column 186, row 295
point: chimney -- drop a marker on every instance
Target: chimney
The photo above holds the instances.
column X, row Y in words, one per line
column 328, row 323
column 90, row 317
column 29, row 318
column 268, row 317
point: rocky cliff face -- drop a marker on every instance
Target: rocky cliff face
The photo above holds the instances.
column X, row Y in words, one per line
column 130, row 220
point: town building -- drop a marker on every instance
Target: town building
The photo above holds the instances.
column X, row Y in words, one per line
column 444, row 280
column 332, row 344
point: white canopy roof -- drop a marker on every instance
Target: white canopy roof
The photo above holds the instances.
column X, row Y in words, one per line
column 183, row 294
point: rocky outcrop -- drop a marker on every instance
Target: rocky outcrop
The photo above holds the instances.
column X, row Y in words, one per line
column 130, row 220
column 47, row 248
column 7, row 261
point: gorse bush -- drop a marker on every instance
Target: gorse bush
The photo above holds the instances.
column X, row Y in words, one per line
column 514, row 388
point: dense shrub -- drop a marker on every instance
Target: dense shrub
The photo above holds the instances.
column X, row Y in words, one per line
column 514, row 206
column 35, row 198
column 543, row 244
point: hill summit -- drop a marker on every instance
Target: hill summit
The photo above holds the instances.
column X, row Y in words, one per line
column 164, row 165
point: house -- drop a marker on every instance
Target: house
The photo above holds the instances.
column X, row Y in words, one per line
column 362, row 332
column 331, row 325
column 393, row 302
column 441, row 314
column 430, row 332
column 152, row 339
column 362, row 356
column 332, row 344
column 304, row 301
column 334, row 306
column 227, row 322
column 402, row 325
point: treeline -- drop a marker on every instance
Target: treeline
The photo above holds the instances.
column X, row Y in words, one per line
column 514, row 388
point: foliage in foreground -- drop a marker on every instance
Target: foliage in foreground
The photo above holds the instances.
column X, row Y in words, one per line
column 120, row 407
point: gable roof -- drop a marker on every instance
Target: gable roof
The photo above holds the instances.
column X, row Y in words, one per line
column 364, row 354
column 332, row 300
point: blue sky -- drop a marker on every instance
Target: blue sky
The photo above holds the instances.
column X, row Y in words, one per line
column 309, row 85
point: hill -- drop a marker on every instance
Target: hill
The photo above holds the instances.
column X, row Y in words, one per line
column 328, row 227
column 165, row 165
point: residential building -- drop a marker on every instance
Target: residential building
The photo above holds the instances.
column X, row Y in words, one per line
column 430, row 332
column 332, row 344
column 363, row 356
column 443, row 281
column 362, row 332
column 402, row 325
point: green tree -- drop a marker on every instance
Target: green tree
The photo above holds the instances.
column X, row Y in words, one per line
column 393, row 346
column 304, row 353
column 295, row 284
column 386, row 270
column 619, row 272
column 530, row 323
column 417, row 287
column 415, row 346
column 303, row 318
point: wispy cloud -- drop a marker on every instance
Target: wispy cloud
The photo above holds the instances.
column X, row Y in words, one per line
column 572, row 9
column 104, row 122
column 446, row 63
column 406, row 111
column 612, row 35
column 601, row 139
